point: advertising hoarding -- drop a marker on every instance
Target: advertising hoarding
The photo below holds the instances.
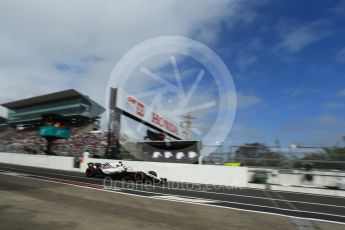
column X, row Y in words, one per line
column 172, row 152
column 136, row 109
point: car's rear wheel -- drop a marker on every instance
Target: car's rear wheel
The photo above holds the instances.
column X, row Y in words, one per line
column 139, row 177
column 90, row 172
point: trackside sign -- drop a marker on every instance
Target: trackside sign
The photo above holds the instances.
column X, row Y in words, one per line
column 164, row 123
column 129, row 104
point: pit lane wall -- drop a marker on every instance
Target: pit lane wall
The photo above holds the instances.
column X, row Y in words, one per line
column 43, row 161
column 205, row 174
column 190, row 173
column 300, row 178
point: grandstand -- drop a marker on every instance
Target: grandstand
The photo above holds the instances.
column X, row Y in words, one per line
column 69, row 103
column 2, row 120
column 68, row 109
column 62, row 123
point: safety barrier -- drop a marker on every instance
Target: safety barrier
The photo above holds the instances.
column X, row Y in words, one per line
column 190, row 173
column 203, row 174
column 317, row 179
column 43, row 161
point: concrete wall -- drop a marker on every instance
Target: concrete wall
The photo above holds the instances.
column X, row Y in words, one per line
column 204, row 174
column 297, row 178
column 43, row 161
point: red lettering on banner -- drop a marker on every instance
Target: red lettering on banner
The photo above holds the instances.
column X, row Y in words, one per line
column 156, row 119
column 138, row 106
column 140, row 109
column 131, row 100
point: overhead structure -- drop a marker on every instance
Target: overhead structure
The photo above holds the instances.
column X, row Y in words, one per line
column 67, row 103
column 154, row 136
column 122, row 103
column 188, row 120
column 160, row 126
column 54, row 114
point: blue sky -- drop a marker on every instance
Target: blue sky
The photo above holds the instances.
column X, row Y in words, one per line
column 287, row 58
column 291, row 57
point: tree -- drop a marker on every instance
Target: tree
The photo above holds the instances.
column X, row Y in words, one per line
column 329, row 158
column 257, row 154
column 335, row 153
column 271, row 159
column 250, row 150
column 328, row 154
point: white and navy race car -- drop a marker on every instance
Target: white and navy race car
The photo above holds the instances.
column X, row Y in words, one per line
column 121, row 172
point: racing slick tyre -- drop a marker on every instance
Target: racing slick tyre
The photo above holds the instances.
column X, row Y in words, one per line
column 90, row 172
column 139, row 177
column 153, row 173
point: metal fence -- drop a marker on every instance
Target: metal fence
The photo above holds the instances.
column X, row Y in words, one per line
column 322, row 158
column 327, row 158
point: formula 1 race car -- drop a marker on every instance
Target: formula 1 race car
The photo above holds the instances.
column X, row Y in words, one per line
column 121, row 172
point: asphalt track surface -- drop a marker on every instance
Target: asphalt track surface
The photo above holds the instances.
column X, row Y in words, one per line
column 275, row 203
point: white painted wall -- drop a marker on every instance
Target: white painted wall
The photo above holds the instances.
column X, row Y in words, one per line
column 295, row 178
column 203, row 174
column 320, row 179
column 43, row 161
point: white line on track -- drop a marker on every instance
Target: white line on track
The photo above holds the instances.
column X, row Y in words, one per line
column 253, row 189
column 203, row 204
column 183, row 199
column 302, row 193
column 201, row 191
column 300, row 224
column 271, row 199
column 188, row 197
column 286, row 201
